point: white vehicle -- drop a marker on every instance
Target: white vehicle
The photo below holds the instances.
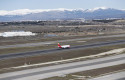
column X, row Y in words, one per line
column 63, row 46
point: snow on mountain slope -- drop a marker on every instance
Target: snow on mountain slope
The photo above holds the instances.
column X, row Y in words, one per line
column 54, row 14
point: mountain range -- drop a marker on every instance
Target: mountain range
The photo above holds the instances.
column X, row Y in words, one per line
column 60, row 14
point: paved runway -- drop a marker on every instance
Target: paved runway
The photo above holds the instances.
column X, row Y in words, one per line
column 115, row 76
column 62, row 69
column 50, row 42
column 16, row 55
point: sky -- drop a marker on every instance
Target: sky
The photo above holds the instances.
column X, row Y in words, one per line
column 55, row 4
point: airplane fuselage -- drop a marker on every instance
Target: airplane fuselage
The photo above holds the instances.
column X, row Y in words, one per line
column 63, row 46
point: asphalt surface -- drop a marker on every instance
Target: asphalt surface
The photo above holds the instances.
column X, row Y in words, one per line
column 25, row 54
column 63, row 69
column 51, row 42
column 115, row 76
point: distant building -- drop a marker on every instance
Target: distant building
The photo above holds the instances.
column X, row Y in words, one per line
column 78, row 20
column 17, row 33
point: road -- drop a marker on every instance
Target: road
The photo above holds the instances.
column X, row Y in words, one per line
column 63, row 69
column 24, row 54
column 115, row 76
column 51, row 42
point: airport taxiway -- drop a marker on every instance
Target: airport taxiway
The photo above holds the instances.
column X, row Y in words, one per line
column 63, row 69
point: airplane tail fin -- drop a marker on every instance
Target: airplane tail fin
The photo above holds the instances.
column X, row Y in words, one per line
column 59, row 45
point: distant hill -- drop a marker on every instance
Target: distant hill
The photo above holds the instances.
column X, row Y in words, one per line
column 65, row 14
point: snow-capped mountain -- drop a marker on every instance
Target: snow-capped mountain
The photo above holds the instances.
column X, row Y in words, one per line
column 62, row 14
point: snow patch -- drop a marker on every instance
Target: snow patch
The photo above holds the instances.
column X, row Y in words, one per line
column 97, row 8
column 28, row 11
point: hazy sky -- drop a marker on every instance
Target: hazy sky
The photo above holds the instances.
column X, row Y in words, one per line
column 54, row 4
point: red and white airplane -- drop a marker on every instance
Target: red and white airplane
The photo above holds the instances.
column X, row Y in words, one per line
column 63, row 46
